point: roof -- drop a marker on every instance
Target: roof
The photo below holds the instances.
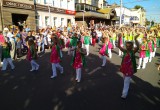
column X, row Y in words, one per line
column 90, row 14
column 106, row 10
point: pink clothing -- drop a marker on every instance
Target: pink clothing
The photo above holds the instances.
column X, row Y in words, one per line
column 126, row 66
column 68, row 43
column 54, row 58
column 142, row 52
column 78, row 61
column 103, row 50
column 150, row 46
column 109, row 45
column 29, row 56
column 121, row 41
column 2, row 40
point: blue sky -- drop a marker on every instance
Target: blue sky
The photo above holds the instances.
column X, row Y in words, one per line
column 152, row 7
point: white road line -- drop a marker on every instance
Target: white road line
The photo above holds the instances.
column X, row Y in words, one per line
column 96, row 69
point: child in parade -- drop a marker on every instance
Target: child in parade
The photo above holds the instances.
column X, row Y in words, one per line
column 78, row 60
column 104, row 51
column 55, row 57
column 122, row 44
column 73, row 41
column 150, row 48
column 32, row 55
column 6, row 56
column 155, row 45
column 128, row 65
column 142, row 54
column 87, row 42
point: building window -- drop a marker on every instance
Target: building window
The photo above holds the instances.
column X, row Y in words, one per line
column 62, row 21
column 54, row 20
column 53, row 2
column 47, row 2
column 61, row 3
column 46, row 20
column 78, row 7
column 38, row 1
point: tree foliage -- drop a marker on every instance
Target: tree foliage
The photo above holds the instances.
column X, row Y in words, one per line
column 138, row 7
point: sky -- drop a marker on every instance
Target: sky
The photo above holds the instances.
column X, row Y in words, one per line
column 152, row 7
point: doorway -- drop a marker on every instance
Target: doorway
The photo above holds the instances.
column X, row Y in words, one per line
column 18, row 18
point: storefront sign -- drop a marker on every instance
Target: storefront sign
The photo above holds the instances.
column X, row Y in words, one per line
column 70, row 12
column 18, row 5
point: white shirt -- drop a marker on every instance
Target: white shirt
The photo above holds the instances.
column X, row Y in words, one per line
column 10, row 36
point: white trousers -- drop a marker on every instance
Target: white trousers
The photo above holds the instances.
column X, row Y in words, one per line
column 150, row 57
column 34, row 65
column 87, row 49
column 120, row 52
column 154, row 53
column 78, row 74
column 104, row 60
column 5, row 63
column 54, row 70
column 114, row 45
column 127, row 80
column 144, row 62
column 109, row 53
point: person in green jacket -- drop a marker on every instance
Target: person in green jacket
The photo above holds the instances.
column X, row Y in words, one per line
column 6, row 56
column 87, row 42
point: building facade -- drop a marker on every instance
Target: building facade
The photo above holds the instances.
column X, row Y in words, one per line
column 130, row 16
column 55, row 12
column 86, row 12
column 14, row 11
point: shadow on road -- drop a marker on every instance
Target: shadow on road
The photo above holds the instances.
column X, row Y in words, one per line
column 99, row 90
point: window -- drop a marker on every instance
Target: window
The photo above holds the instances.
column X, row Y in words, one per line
column 46, row 20
column 78, row 7
column 53, row 3
column 62, row 21
column 54, row 20
column 38, row 1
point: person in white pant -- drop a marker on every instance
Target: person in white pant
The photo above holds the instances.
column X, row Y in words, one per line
column 104, row 51
column 128, row 65
column 32, row 55
column 6, row 57
column 55, row 58
column 87, row 41
column 78, row 60
column 142, row 54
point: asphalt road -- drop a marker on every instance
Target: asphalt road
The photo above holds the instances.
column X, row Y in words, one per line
column 100, row 88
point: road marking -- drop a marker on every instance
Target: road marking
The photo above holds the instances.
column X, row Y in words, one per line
column 96, row 69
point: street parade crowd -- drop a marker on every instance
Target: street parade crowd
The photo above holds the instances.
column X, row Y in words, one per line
column 77, row 40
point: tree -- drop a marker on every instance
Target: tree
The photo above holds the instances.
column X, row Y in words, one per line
column 147, row 22
column 138, row 7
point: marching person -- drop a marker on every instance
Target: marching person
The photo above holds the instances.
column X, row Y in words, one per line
column 128, row 65
column 32, row 55
column 78, row 60
column 6, row 56
column 55, row 58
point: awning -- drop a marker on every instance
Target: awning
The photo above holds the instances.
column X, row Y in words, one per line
column 90, row 14
column 106, row 10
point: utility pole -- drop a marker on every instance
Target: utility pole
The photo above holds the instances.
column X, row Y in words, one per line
column 1, row 15
column 120, row 22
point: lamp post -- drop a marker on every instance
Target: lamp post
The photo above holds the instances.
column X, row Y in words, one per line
column 120, row 22
column 84, row 11
column 49, row 11
column 1, row 15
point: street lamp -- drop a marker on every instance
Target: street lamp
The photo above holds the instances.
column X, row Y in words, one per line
column 49, row 11
column 83, row 16
column 120, row 22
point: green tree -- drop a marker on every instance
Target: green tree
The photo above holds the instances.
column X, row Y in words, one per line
column 138, row 7
column 147, row 22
